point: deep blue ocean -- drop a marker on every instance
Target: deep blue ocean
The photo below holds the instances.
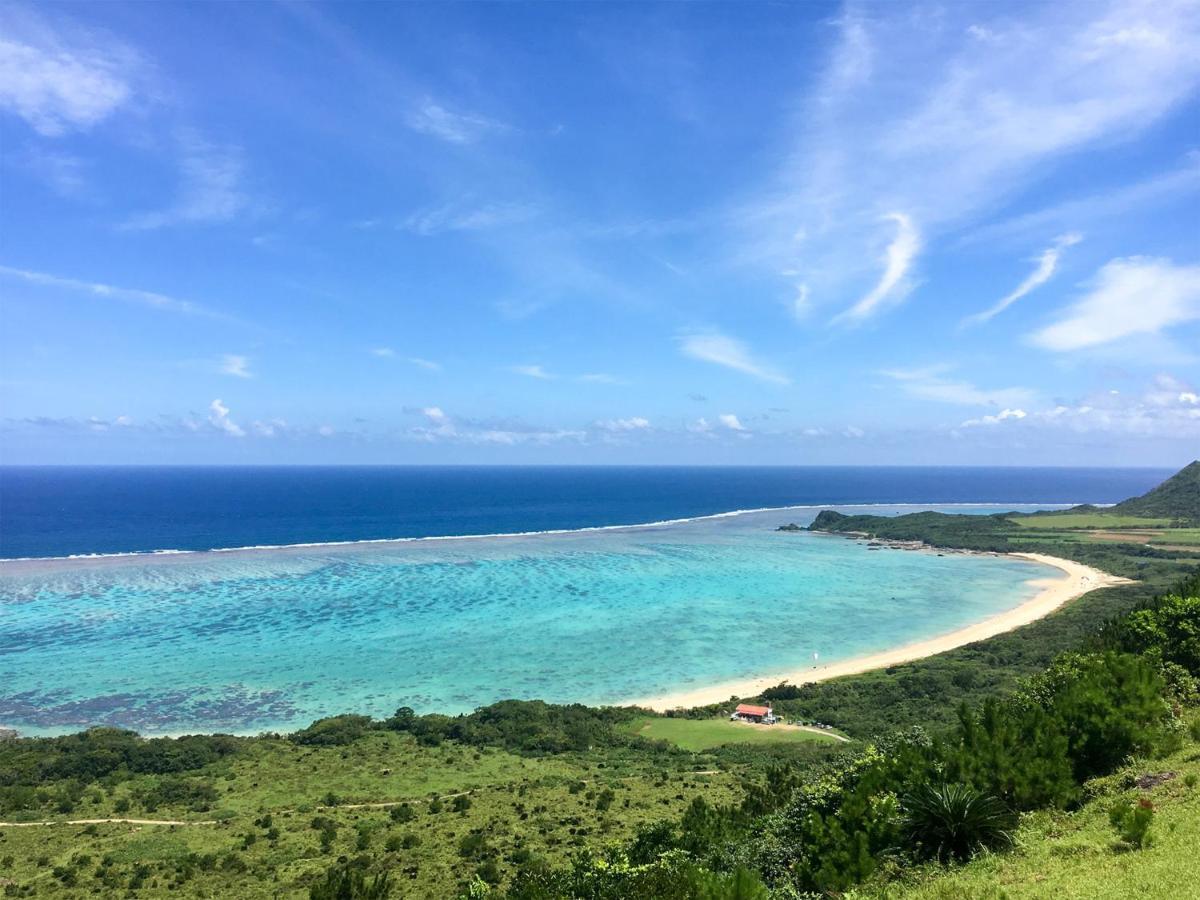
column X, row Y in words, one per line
column 61, row 511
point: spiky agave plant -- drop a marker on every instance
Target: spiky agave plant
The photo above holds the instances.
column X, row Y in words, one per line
column 954, row 821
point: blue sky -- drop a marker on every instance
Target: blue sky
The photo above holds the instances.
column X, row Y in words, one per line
column 600, row 233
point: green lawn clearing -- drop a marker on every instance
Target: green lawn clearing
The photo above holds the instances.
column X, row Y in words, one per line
column 702, row 734
column 1088, row 520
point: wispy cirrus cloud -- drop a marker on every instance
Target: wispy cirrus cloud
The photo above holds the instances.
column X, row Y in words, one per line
column 428, row 116
column 63, row 173
column 897, row 260
column 60, row 77
column 1127, row 297
column 533, row 371
column 1047, row 263
column 150, row 299
column 1107, row 204
column 933, row 383
column 719, row 349
column 210, row 187
column 946, row 123
column 427, row 364
column 462, row 216
column 420, row 362
column 237, row 366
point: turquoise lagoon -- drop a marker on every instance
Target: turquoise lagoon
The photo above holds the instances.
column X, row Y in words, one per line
column 272, row 638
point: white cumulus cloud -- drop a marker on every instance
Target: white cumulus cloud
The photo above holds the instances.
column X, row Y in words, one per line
column 218, row 417
column 996, row 419
column 633, row 423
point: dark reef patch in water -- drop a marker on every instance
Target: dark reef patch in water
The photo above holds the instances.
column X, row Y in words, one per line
column 233, row 707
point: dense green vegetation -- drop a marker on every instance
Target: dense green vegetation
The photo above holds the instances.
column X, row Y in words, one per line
column 1178, row 497
column 1078, row 854
column 1058, row 756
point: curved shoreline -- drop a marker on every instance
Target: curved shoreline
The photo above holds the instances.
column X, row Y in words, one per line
column 1077, row 580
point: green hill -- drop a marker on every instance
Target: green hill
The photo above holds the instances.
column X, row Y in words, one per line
column 1178, row 497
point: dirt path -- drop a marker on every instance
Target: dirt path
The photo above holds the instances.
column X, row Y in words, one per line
column 385, row 804
column 822, row 731
column 112, row 822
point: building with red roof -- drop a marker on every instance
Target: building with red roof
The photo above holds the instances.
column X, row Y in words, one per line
column 748, row 712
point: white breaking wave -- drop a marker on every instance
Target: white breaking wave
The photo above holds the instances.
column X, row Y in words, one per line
column 552, row 531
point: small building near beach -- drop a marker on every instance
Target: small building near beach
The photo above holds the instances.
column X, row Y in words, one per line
column 748, row 712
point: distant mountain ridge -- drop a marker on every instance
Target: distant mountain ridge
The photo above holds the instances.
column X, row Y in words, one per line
column 1176, row 498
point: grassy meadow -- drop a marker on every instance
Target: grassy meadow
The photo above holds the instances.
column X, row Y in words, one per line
column 284, row 813
column 704, row 734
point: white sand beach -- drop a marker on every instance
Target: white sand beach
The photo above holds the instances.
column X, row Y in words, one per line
column 1077, row 580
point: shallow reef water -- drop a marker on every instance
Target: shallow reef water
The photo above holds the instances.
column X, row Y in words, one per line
column 265, row 639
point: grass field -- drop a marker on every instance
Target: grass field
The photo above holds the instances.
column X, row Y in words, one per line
column 1076, row 855
column 286, row 813
column 1088, row 520
column 703, row 734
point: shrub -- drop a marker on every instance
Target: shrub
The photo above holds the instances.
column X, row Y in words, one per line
column 1110, row 705
column 334, row 731
column 489, row 872
column 461, row 803
column 1166, row 627
column 402, row 813
column 173, row 790
column 473, row 845
column 1132, row 822
column 954, row 821
column 1018, row 754
column 349, row 883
